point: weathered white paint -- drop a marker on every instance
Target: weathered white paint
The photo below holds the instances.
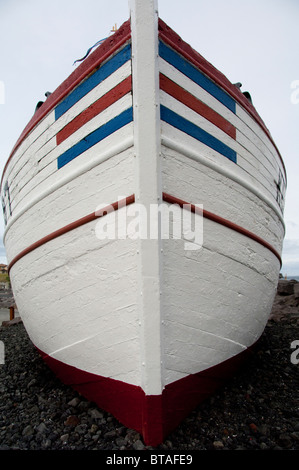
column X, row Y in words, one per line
column 247, row 129
column 241, row 120
column 248, row 161
column 48, row 154
column 187, row 148
column 48, row 165
column 146, row 312
column 80, row 196
column 192, row 181
column 256, row 129
column 225, row 291
column 145, row 74
column 87, row 314
column 43, row 125
column 27, row 154
column 121, row 141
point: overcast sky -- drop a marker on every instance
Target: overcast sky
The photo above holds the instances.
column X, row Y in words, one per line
column 255, row 42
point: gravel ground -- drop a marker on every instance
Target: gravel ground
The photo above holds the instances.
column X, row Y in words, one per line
column 257, row 410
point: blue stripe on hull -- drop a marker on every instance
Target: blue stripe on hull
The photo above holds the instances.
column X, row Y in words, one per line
column 196, row 76
column 96, row 136
column 97, row 77
column 196, row 132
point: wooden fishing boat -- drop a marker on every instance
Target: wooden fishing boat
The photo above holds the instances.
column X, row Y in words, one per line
column 145, row 326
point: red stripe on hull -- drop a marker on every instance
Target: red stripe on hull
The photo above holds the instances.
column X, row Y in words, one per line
column 77, row 223
column 196, row 105
column 220, row 220
column 153, row 416
column 96, row 108
column 130, row 200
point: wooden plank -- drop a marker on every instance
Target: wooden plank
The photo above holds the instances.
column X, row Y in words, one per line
column 222, row 221
column 193, row 57
column 196, row 105
column 67, row 228
column 96, row 136
column 92, row 316
column 36, row 150
column 27, row 185
column 99, row 75
column 256, row 144
column 62, row 203
column 198, row 133
column 191, row 180
column 96, row 108
column 184, row 66
column 107, row 49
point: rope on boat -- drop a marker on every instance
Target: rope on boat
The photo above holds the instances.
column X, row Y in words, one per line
column 113, row 30
column 89, row 50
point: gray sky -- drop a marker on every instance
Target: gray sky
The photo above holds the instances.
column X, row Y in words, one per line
column 256, row 43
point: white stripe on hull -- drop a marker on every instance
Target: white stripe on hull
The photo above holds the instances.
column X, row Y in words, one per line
column 191, row 180
column 253, row 157
column 247, row 161
column 46, row 150
column 102, row 184
column 48, row 165
column 241, row 120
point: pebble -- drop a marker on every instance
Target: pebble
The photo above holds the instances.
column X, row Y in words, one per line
column 218, row 445
column 258, row 409
column 138, row 445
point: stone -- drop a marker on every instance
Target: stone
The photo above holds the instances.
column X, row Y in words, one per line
column 81, row 429
column 28, row 431
column 285, row 287
column 93, row 428
column 72, row 420
column 218, row 445
column 41, row 428
column 253, row 427
column 263, row 446
column 296, row 290
column 120, row 441
column 46, row 443
column 110, row 434
column 74, row 402
column 285, row 440
column 64, row 438
column 138, row 445
column 31, row 383
column 95, row 414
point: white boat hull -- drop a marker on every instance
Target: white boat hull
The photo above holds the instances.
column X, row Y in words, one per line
column 150, row 319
